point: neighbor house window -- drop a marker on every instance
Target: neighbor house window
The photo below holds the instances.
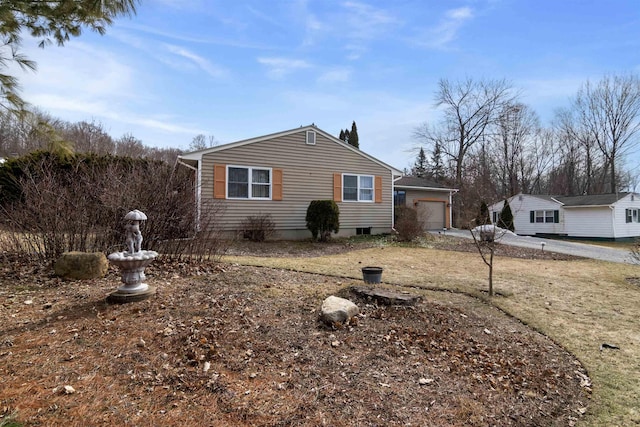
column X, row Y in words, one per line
column 357, row 188
column 632, row 215
column 544, row 216
column 248, row 183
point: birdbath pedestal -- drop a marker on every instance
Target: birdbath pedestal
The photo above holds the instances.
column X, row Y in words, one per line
column 132, row 264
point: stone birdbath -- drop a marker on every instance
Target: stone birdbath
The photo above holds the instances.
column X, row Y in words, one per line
column 132, row 263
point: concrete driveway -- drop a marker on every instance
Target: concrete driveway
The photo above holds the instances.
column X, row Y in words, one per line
column 560, row 246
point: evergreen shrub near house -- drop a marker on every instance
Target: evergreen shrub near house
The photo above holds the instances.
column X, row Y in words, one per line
column 323, row 218
column 506, row 217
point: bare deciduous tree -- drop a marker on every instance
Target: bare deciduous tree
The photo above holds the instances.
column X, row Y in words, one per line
column 202, row 142
column 469, row 107
column 515, row 128
column 609, row 111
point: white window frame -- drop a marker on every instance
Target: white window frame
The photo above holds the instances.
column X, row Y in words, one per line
column 544, row 214
column 360, row 188
column 311, row 137
column 250, row 182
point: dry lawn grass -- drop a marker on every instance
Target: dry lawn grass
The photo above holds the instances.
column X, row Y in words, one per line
column 580, row 304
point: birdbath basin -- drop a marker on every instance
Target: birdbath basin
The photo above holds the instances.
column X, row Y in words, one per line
column 132, row 263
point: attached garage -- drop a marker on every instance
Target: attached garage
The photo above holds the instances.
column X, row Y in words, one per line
column 432, row 214
column 431, row 199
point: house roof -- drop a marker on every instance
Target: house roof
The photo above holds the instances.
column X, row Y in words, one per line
column 415, row 182
column 591, row 200
column 196, row 156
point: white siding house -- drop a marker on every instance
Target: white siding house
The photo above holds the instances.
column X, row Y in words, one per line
column 608, row 216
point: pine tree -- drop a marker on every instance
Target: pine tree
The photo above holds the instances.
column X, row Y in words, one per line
column 353, row 135
column 346, row 135
column 48, row 21
column 506, row 217
column 420, row 166
column 342, row 137
column 437, row 166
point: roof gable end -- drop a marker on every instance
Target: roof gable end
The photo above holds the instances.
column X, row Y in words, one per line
column 197, row 155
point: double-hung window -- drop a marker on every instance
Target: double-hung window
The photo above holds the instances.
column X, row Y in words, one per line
column 632, row 215
column 545, row 216
column 248, row 183
column 357, row 188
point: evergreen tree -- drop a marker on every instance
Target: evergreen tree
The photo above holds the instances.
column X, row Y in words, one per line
column 483, row 216
column 346, row 135
column 342, row 137
column 353, row 136
column 420, row 166
column 506, row 217
column 49, row 21
column 437, row 165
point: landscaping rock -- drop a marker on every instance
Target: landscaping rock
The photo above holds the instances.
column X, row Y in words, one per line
column 336, row 310
column 81, row 265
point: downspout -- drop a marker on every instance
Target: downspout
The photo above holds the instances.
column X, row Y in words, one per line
column 393, row 201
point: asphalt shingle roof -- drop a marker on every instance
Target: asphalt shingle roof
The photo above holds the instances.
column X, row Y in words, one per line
column 590, row 200
column 412, row 181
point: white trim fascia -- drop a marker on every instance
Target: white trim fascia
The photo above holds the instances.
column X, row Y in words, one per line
column 611, row 205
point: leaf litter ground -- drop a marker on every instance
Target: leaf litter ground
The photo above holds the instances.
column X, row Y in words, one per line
column 236, row 346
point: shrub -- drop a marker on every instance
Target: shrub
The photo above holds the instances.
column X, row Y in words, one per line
column 408, row 226
column 258, row 228
column 323, row 218
column 51, row 204
column 483, row 215
column 506, row 217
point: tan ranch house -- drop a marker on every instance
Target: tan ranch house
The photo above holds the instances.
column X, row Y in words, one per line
column 281, row 173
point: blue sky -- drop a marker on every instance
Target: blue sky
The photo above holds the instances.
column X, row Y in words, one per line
column 239, row 69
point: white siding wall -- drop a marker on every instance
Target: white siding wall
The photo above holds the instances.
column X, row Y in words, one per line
column 521, row 205
column 589, row 222
column 622, row 228
column 307, row 175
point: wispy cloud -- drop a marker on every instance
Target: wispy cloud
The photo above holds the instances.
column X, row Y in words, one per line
column 364, row 24
column 194, row 39
column 200, row 62
column 281, row 67
column 336, row 75
column 440, row 36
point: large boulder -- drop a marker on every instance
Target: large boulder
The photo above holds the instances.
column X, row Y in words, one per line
column 337, row 311
column 81, row 265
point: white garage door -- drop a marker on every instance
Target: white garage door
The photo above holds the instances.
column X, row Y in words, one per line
column 432, row 215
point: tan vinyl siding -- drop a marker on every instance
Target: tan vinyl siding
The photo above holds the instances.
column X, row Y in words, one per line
column 308, row 173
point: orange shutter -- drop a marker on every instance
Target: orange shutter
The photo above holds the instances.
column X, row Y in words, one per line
column 337, row 187
column 378, row 189
column 219, row 181
column 277, row 185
